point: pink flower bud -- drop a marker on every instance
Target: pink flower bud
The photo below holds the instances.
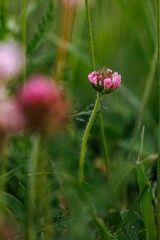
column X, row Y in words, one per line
column 10, row 60
column 107, row 83
column 11, row 117
column 43, row 104
column 104, row 80
column 116, row 78
column 93, row 78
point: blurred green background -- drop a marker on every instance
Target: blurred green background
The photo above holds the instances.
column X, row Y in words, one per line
column 124, row 34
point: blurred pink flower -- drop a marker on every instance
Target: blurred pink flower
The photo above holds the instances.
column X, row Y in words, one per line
column 43, row 104
column 11, row 117
column 104, row 80
column 10, row 60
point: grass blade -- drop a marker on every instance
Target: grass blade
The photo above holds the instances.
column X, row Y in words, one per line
column 105, row 235
column 12, row 203
column 8, row 175
column 133, row 209
column 146, row 204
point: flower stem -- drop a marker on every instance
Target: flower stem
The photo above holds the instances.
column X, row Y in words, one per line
column 90, row 34
column 32, row 190
column 158, row 161
column 85, row 138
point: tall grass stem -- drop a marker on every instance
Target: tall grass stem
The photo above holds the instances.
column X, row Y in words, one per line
column 90, row 34
column 158, row 161
column 105, row 146
column 146, row 95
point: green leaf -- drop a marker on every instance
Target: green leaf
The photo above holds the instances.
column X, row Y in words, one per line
column 134, row 229
column 135, row 226
column 102, row 229
column 7, row 176
column 146, row 204
column 8, row 200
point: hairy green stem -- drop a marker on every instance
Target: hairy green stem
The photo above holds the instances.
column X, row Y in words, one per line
column 24, row 41
column 90, row 34
column 32, row 190
column 93, row 68
column 85, row 138
column 158, row 161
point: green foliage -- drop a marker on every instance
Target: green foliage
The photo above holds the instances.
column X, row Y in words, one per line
column 43, row 27
column 134, row 229
column 131, row 214
column 12, row 203
column 146, row 204
column 102, row 229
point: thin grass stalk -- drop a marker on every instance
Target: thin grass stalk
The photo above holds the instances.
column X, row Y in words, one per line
column 90, row 34
column 145, row 98
column 158, row 161
column 147, row 91
column 75, row 58
column 103, row 233
column 24, row 40
column 105, row 146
